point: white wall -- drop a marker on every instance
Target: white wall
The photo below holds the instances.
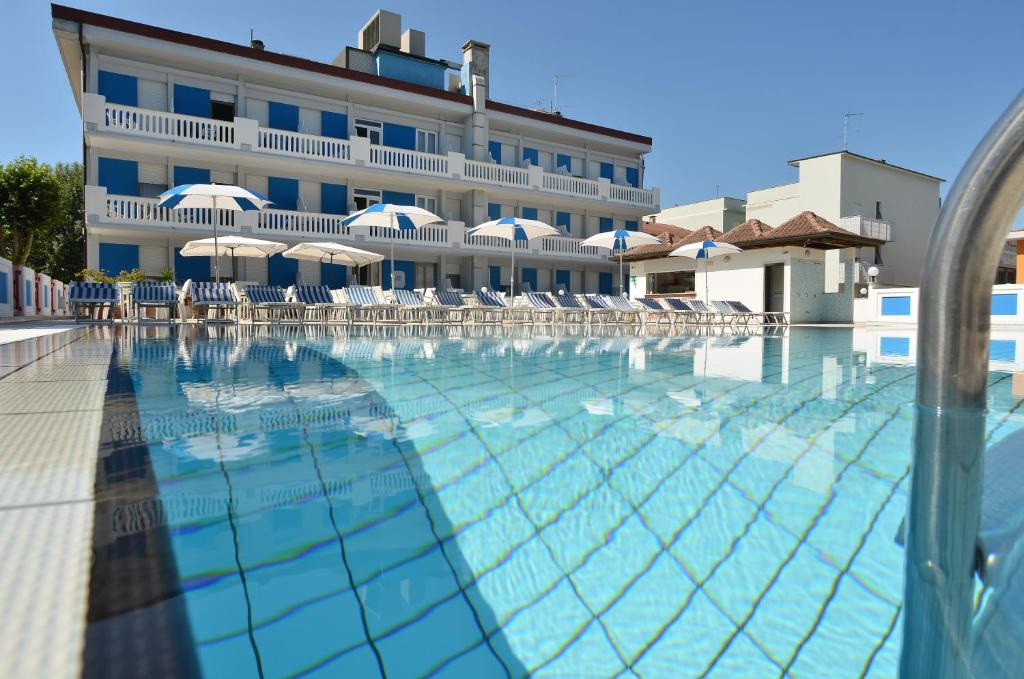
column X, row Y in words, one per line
column 774, row 205
column 720, row 213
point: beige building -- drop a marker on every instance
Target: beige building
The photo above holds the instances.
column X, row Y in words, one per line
column 865, row 196
column 721, row 214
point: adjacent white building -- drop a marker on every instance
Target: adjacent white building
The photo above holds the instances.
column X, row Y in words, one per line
column 382, row 123
column 866, row 196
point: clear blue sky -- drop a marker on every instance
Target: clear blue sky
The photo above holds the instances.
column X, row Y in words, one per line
column 730, row 90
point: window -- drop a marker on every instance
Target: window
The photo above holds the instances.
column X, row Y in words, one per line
column 369, row 129
column 364, row 198
column 671, row 282
column 426, row 141
column 151, row 190
column 425, row 275
column 428, row 203
column 878, row 209
column 222, row 110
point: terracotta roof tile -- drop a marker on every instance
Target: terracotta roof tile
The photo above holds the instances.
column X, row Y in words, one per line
column 672, row 242
column 750, row 230
column 808, row 224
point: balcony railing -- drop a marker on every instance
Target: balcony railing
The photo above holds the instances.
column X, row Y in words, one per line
column 872, row 228
column 244, row 134
column 292, row 226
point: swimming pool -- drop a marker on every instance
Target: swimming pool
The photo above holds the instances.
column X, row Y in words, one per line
column 502, row 503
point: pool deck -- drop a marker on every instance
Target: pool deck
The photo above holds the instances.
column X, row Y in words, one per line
column 52, row 388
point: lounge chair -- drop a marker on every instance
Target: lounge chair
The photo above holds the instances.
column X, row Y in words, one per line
column 705, row 314
column 319, row 302
column 268, row 302
column 683, row 309
column 151, row 294
column 93, row 296
column 365, row 305
column 766, row 317
column 453, row 306
column 654, row 311
column 412, row 308
column 624, row 309
column 542, row 307
column 491, row 307
column 600, row 303
column 218, row 296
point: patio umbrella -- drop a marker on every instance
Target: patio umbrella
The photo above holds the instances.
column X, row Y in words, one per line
column 514, row 229
column 213, row 197
column 704, row 250
column 395, row 217
column 618, row 241
column 332, row 253
column 232, row 246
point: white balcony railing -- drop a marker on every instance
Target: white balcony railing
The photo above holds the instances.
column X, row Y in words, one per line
column 105, row 210
column 244, row 134
column 872, row 228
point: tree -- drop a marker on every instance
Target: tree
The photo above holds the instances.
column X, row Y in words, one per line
column 60, row 250
column 29, row 204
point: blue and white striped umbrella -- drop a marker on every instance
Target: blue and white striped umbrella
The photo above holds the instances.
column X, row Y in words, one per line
column 213, row 197
column 391, row 216
column 705, row 250
column 618, row 241
column 513, row 229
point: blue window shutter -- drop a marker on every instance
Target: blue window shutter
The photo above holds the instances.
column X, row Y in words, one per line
column 896, row 305
column 401, row 266
column 399, row 136
column 604, row 282
column 562, row 219
column 118, row 257
column 4, row 298
column 191, row 175
column 530, row 213
column 284, row 116
column 529, row 276
column 121, row 177
column 532, row 156
column 632, row 225
column 605, row 224
column 633, row 176
column 494, row 149
column 334, row 125
column 192, row 101
column 398, row 198
column 562, row 280
column 284, row 193
column 196, row 268
column 334, row 199
column 494, row 211
column 333, row 275
column 1004, row 304
column 495, row 277
column 607, row 172
column 119, row 88
column 282, row 270
column 562, row 160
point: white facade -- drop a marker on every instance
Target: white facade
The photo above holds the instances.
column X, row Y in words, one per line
column 865, row 196
column 330, row 141
column 720, row 213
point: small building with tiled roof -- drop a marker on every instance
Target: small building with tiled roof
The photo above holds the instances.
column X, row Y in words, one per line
column 803, row 266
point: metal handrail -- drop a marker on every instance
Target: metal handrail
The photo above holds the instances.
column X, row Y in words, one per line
column 949, row 421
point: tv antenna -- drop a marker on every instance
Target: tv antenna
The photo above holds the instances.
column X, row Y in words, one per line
column 554, row 97
column 846, row 128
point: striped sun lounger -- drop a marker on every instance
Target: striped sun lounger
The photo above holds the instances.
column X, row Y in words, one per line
column 268, row 302
column 319, row 303
column 653, row 311
column 154, row 295
column 492, row 307
column 412, row 308
column 598, row 302
column 541, row 306
column 93, row 296
column 365, row 305
column 451, row 302
column 626, row 311
column 573, row 308
column 214, row 296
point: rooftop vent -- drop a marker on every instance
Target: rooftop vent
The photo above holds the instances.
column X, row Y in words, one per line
column 383, row 28
column 256, row 44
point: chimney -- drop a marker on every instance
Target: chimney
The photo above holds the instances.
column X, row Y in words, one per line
column 414, row 42
column 475, row 62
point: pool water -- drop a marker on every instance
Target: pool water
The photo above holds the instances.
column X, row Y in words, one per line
column 504, row 503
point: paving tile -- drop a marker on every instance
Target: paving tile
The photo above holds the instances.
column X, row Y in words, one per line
column 61, row 372
column 51, row 397
column 48, row 458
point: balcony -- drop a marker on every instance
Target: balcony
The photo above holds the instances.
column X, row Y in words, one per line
column 872, row 228
column 245, row 135
column 112, row 212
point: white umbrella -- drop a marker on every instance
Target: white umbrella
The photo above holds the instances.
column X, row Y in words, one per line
column 619, row 241
column 332, row 253
column 232, row 246
column 213, row 197
column 396, row 217
column 704, row 250
column 513, row 229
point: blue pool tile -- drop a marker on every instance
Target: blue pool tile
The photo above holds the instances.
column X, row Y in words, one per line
column 398, row 539
column 847, row 518
column 710, row 537
column 688, row 644
column 217, row 612
column 445, row 632
column 637, row 477
column 630, row 551
column 586, row 526
column 513, row 588
column 879, row 565
column 233, row 657
column 480, row 661
column 648, row 606
column 485, row 544
column 542, row 630
column 573, row 480
column 744, row 659
column 356, row 662
column 591, row 655
column 678, row 500
column 470, row 499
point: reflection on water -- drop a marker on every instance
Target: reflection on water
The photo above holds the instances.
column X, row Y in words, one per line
column 491, row 501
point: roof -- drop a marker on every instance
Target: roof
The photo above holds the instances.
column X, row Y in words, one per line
column 660, row 228
column 807, row 229
column 877, row 161
column 157, row 33
column 674, row 241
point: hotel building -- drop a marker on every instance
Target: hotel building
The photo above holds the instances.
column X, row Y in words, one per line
column 382, row 122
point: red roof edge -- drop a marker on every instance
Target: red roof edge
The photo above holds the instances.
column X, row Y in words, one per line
column 157, row 33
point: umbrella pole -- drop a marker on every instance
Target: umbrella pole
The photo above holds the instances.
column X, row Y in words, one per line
column 512, row 281
column 622, row 281
column 216, row 250
column 392, row 252
column 707, row 294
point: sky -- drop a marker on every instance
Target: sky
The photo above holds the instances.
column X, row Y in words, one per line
column 730, row 90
